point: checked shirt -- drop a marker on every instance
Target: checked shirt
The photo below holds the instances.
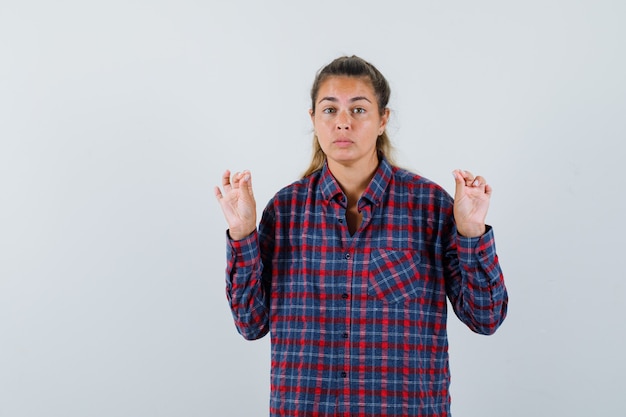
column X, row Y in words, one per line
column 358, row 322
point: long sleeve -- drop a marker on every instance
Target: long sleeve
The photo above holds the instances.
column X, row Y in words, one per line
column 247, row 294
column 475, row 284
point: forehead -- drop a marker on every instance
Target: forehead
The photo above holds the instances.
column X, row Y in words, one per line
column 343, row 87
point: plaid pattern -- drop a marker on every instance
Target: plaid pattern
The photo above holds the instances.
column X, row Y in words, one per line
column 358, row 323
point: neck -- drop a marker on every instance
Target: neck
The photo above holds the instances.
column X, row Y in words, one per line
column 354, row 178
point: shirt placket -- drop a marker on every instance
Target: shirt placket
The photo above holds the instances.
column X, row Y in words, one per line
column 352, row 260
column 341, row 297
column 345, row 372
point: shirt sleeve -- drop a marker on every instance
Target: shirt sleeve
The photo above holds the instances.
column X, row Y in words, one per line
column 247, row 294
column 475, row 283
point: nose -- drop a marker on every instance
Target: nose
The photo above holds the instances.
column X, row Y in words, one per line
column 343, row 121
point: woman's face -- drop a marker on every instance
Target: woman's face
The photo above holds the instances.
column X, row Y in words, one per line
column 347, row 122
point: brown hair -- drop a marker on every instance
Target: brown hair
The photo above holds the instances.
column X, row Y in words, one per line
column 352, row 66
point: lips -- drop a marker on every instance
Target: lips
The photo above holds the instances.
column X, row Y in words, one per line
column 342, row 142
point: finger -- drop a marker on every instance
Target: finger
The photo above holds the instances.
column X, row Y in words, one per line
column 218, row 193
column 479, row 181
column 233, row 180
column 458, row 176
column 247, row 178
column 469, row 178
column 463, row 178
column 459, row 182
column 247, row 184
column 462, row 175
column 237, row 178
column 226, row 180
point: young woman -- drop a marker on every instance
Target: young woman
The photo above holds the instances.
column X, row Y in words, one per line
column 350, row 267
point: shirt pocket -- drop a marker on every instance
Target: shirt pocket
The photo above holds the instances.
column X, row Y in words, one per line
column 394, row 275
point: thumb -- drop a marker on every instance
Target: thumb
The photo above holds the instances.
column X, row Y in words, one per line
column 458, row 179
column 248, row 192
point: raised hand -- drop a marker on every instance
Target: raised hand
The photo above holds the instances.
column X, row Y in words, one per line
column 237, row 203
column 471, row 202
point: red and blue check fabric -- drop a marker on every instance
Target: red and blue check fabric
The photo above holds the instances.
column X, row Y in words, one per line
column 358, row 322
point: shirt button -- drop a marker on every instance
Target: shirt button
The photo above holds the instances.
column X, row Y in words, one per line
column 344, row 296
column 344, row 374
column 345, row 335
column 348, row 256
column 340, row 220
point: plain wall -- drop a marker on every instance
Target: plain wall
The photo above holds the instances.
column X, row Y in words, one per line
column 117, row 118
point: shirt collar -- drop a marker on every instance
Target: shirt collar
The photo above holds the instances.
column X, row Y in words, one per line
column 377, row 186
column 330, row 189
column 328, row 184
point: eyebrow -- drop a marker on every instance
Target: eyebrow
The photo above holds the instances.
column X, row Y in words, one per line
column 352, row 100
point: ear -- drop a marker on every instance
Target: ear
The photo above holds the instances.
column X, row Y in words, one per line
column 312, row 116
column 383, row 120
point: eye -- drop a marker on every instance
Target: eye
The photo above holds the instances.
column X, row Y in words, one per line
column 358, row 110
column 328, row 110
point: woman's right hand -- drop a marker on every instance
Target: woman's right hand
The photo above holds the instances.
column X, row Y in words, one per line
column 238, row 204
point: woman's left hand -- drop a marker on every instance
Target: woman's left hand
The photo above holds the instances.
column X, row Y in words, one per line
column 471, row 202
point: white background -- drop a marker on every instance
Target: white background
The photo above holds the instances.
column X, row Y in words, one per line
column 117, row 118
